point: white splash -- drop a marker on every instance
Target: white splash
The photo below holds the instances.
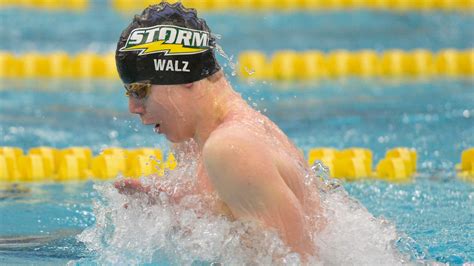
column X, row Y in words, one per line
column 186, row 232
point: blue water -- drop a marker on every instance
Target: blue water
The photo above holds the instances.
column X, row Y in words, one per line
column 434, row 214
column 435, row 117
column 99, row 27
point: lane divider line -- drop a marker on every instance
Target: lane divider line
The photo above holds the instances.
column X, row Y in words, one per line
column 286, row 65
column 48, row 164
column 306, row 5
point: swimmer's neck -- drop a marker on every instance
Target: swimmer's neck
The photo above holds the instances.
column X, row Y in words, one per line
column 216, row 107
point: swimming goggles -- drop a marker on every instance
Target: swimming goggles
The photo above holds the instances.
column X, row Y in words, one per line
column 137, row 90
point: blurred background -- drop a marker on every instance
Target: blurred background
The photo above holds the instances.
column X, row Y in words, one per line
column 388, row 84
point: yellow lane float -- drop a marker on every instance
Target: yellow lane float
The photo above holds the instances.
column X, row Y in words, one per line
column 353, row 164
column 399, row 164
column 79, row 163
column 466, row 167
column 75, row 5
column 285, row 65
column 291, row 65
column 85, row 65
column 42, row 164
column 311, row 5
column 252, row 64
column 107, row 166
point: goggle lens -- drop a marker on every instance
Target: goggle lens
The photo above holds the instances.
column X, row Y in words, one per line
column 137, row 90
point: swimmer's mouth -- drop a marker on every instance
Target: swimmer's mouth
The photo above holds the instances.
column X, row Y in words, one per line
column 157, row 128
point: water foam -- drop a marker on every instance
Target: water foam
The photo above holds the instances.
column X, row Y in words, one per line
column 187, row 232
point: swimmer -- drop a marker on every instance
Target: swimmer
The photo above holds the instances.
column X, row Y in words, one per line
column 173, row 81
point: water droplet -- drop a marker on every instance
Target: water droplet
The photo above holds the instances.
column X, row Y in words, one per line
column 466, row 113
column 249, row 71
column 113, row 134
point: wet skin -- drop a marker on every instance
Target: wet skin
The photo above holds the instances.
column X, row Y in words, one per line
column 245, row 158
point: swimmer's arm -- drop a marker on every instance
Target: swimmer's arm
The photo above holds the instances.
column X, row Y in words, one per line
column 248, row 181
column 135, row 186
column 131, row 186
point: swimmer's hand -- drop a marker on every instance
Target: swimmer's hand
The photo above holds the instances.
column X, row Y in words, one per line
column 131, row 186
column 152, row 191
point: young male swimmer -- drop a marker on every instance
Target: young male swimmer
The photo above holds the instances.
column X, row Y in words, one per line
column 165, row 58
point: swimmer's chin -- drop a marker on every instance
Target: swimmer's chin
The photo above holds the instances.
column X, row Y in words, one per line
column 175, row 139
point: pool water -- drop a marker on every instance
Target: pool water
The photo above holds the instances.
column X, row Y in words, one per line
column 433, row 215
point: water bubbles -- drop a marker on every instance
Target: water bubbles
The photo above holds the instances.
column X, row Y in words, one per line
column 187, row 231
column 466, row 114
column 16, row 130
column 113, row 134
column 383, row 139
column 405, row 119
column 249, row 71
column 319, row 169
column 232, row 65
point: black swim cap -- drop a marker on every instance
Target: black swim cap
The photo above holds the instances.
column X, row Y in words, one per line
column 166, row 44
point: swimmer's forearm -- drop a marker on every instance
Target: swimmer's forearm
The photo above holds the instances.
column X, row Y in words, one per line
column 131, row 186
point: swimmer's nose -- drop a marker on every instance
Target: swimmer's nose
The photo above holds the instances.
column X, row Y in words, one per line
column 135, row 106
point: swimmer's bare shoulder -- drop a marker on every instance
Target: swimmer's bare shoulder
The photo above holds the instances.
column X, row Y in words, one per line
column 244, row 172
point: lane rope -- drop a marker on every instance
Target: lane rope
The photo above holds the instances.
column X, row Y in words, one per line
column 283, row 65
column 48, row 164
column 304, row 5
column 49, row 5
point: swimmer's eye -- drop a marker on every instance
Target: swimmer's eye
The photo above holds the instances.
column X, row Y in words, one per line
column 137, row 90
